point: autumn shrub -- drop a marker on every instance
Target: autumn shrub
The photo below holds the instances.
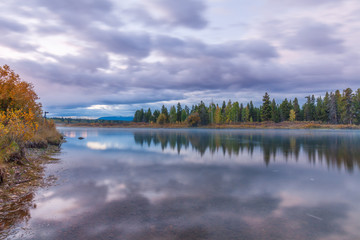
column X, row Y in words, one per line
column 21, row 121
column 194, row 120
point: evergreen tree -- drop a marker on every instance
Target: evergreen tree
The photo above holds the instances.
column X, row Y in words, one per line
column 165, row 112
column 274, row 112
column 297, row 109
column 223, row 114
column 338, row 105
column 235, row 109
column 241, row 112
column 347, row 107
column 319, row 109
column 326, row 110
column 309, row 108
column 183, row 115
column 203, row 113
column 333, row 109
column 266, row 108
column 148, row 115
column 246, row 113
column 284, row 110
column 156, row 114
column 178, row 112
column 187, row 110
column 212, row 109
column 252, row 111
column 356, row 106
column 173, row 114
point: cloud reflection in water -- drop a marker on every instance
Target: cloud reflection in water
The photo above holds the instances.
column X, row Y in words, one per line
column 136, row 192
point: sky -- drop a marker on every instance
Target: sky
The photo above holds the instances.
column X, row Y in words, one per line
column 91, row 58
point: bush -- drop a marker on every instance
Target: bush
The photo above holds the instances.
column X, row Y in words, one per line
column 194, row 120
column 21, row 122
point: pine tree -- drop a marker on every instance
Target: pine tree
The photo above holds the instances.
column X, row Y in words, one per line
column 326, row 109
column 333, row 109
column 274, row 112
column 347, row 106
column 284, row 109
column 297, row 109
column 266, row 108
column 148, row 115
column 173, row 114
column 241, row 112
column 183, row 115
column 156, row 114
column 356, row 106
column 178, row 112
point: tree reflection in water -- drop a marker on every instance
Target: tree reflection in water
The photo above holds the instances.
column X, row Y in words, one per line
column 336, row 150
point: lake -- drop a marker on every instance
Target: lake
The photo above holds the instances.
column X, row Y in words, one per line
column 199, row 184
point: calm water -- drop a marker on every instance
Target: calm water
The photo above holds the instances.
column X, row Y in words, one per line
column 200, row 184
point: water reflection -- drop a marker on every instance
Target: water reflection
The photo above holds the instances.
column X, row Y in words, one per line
column 150, row 184
column 337, row 149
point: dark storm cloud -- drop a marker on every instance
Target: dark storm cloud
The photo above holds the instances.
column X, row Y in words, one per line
column 317, row 37
column 185, row 13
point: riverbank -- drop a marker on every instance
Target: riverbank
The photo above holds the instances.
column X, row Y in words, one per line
column 20, row 182
column 247, row 125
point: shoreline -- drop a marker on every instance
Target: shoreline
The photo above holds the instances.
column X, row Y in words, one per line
column 21, row 180
column 249, row 125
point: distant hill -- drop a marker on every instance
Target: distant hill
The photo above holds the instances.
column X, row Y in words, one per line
column 117, row 118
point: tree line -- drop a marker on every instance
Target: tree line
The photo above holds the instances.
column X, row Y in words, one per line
column 334, row 107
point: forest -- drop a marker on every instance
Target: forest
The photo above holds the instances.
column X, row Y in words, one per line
column 334, row 108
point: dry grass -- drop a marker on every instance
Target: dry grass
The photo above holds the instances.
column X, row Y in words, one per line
column 46, row 135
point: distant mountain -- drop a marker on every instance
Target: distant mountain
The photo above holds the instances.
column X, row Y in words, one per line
column 117, row 118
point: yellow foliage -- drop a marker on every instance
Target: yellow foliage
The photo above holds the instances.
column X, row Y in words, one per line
column 17, row 125
column 21, row 119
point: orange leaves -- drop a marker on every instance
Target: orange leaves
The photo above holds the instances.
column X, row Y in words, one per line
column 16, row 94
column 19, row 111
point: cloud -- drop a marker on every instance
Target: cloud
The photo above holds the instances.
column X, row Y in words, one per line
column 11, row 25
column 80, row 13
column 134, row 44
column 168, row 13
column 103, row 52
column 316, row 37
column 192, row 48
